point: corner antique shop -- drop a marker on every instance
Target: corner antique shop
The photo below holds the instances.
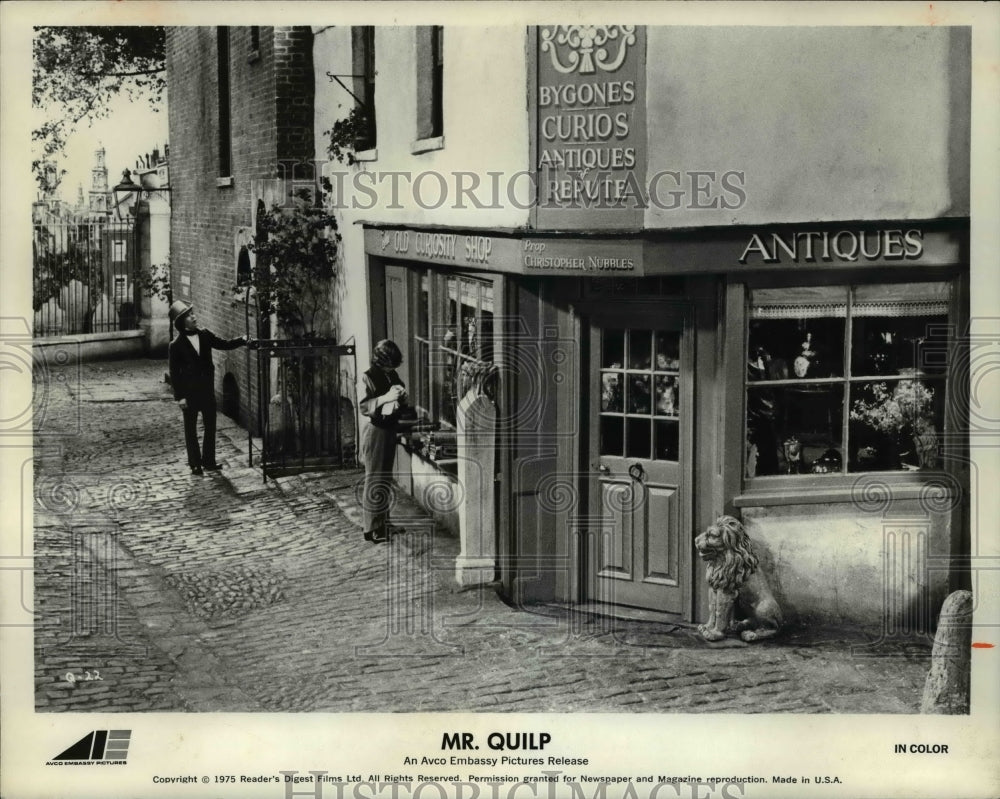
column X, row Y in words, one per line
column 798, row 377
column 777, row 337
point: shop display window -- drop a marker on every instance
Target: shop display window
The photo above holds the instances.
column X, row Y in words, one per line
column 453, row 336
column 846, row 379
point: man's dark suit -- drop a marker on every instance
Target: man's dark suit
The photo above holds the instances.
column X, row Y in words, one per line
column 192, row 375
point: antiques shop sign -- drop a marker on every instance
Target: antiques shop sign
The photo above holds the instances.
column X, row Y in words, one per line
column 589, row 140
column 814, row 246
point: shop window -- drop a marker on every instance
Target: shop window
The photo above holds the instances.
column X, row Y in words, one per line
column 845, row 379
column 453, row 340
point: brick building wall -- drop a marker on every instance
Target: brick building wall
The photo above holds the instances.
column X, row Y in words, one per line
column 271, row 124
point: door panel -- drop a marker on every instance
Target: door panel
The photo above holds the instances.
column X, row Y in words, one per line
column 661, row 558
column 640, row 444
column 617, row 549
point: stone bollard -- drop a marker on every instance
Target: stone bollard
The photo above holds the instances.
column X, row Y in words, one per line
column 947, row 686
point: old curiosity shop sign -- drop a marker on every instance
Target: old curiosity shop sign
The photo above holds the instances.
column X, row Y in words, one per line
column 519, row 252
column 590, row 132
column 506, row 254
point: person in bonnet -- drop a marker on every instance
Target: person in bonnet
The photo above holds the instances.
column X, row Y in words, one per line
column 192, row 375
column 384, row 402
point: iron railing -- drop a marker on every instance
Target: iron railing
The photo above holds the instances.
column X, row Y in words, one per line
column 85, row 276
column 306, row 402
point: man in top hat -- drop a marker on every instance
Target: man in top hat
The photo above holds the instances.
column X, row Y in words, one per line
column 192, row 375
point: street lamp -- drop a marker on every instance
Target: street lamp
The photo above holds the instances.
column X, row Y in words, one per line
column 128, row 193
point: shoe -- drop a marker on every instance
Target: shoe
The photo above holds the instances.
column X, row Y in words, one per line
column 197, row 470
column 213, row 467
column 376, row 536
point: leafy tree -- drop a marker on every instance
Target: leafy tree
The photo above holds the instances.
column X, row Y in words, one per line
column 77, row 70
column 297, row 248
column 55, row 267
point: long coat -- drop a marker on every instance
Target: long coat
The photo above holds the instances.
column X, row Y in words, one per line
column 192, row 373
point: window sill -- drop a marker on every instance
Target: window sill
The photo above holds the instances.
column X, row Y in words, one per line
column 224, row 183
column 871, row 491
column 366, row 155
column 427, row 145
column 446, row 465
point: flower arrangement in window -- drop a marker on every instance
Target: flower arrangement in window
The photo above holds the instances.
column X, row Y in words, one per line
column 908, row 403
column 348, row 135
column 905, row 409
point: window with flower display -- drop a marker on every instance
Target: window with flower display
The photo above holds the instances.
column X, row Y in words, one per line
column 846, row 379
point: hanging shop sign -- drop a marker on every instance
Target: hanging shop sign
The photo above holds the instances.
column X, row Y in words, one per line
column 589, row 131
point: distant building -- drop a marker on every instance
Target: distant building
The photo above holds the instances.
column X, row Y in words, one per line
column 99, row 195
column 153, row 169
column 86, row 258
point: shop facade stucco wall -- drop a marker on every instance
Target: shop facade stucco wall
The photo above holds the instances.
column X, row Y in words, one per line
column 861, row 123
column 485, row 130
column 834, row 563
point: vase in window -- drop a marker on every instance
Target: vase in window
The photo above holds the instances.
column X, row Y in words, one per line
column 806, row 360
column 792, row 449
column 925, row 444
column 881, row 356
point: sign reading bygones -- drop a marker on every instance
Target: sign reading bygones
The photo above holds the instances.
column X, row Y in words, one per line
column 590, row 133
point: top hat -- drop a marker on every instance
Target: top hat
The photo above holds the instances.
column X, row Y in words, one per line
column 178, row 310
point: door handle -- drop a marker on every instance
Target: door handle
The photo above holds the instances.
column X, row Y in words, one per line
column 637, row 472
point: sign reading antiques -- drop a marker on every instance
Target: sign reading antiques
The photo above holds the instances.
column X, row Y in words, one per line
column 812, row 246
column 590, row 131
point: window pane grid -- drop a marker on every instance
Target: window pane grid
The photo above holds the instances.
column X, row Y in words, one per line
column 639, row 380
column 892, row 380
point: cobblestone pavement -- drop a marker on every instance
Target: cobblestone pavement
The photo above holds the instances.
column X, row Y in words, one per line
column 223, row 592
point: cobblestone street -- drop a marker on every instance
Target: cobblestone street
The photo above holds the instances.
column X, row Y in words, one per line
column 223, row 592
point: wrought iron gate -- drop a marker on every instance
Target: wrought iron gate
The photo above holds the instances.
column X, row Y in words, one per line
column 307, row 405
column 86, row 276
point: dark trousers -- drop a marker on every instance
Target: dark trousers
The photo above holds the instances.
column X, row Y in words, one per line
column 378, row 453
column 206, row 456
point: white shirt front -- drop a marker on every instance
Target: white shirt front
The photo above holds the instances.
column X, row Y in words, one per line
column 193, row 338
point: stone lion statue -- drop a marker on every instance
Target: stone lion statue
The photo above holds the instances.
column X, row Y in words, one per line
column 736, row 585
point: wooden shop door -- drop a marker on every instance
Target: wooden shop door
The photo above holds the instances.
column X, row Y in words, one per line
column 642, row 390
